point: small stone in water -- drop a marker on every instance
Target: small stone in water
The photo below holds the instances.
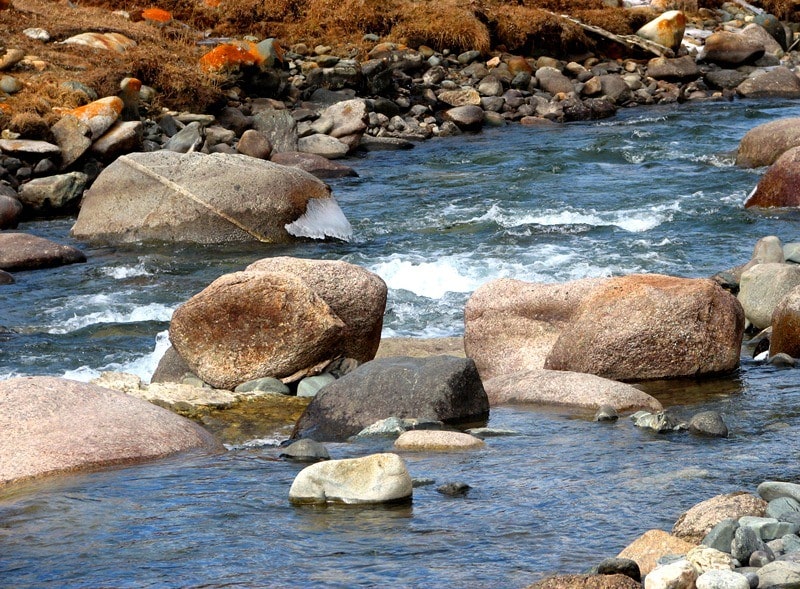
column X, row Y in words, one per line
column 489, row 432
column 606, row 413
column 305, row 451
column 454, row 489
column 422, row 482
column 782, row 360
column 708, row 423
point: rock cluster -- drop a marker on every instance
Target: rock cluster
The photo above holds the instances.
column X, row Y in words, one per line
column 732, row 541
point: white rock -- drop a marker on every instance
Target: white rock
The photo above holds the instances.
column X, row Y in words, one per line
column 378, row 478
column 676, row 575
column 717, row 579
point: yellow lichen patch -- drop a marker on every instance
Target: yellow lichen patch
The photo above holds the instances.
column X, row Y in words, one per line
column 230, row 56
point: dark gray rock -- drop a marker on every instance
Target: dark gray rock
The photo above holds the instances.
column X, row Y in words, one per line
column 606, row 413
column 171, row 367
column 6, row 278
column 620, row 566
column 190, row 138
column 305, row 451
column 457, row 489
column 10, row 211
column 745, row 542
column 317, row 165
column 708, row 423
column 721, row 535
column 443, row 388
column 279, row 127
column 673, row 69
column 760, row 558
column 267, row 384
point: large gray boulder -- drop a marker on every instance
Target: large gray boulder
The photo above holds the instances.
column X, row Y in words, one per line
column 510, row 325
column 440, row 388
column 762, row 287
column 764, row 144
column 194, row 197
column 567, row 389
column 650, row 326
column 356, row 295
column 726, row 48
column 249, row 325
column 52, row 425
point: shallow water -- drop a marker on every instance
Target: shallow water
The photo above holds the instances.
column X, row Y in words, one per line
column 652, row 190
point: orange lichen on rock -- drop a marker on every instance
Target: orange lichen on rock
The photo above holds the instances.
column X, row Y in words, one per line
column 157, row 16
column 212, row 3
column 231, row 56
column 110, row 106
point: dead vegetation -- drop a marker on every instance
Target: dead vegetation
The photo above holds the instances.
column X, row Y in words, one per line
column 166, row 55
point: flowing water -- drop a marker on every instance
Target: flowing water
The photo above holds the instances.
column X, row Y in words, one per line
column 652, row 190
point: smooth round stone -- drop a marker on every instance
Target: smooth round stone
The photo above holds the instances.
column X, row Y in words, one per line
column 422, row 482
column 782, row 360
column 722, row 580
column 490, row 432
column 770, row 490
column 426, row 440
column 10, row 84
column 263, row 385
column 708, row 423
column 310, row 386
column 305, row 451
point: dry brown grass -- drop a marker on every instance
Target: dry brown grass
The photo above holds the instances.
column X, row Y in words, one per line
column 617, row 20
column 441, row 24
column 530, row 31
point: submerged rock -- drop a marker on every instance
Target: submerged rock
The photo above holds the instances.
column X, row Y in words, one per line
column 20, row 251
column 53, row 425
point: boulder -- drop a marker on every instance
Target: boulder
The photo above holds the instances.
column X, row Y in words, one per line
column 762, row 287
column 510, row 325
column 439, row 388
column 786, row 325
column 20, row 251
column 123, row 137
column 255, row 144
column 667, row 29
column 467, row 118
column 771, row 490
column 779, row 186
column 348, row 117
column 374, row 479
column 249, row 325
column 52, row 425
column 202, row 198
column 316, row 165
column 553, row 81
column 780, row 573
column 279, row 127
column 652, row 545
column 431, row 440
column 322, row 145
column 673, row 69
column 731, row 49
column 651, row 326
column 764, row 144
column 694, row 524
column 586, row 582
column 759, row 34
column 778, row 82
column 354, row 294
column 60, row 193
column 680, row 574
column 567, row 389
column 10, row 211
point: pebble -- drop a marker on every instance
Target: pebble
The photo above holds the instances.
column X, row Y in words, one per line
column 456, row 489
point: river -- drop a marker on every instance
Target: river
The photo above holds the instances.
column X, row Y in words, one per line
column 651, row 190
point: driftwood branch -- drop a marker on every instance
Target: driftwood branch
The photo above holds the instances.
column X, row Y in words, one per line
column 632, row 42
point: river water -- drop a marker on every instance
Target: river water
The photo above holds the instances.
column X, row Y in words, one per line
column 651, row 190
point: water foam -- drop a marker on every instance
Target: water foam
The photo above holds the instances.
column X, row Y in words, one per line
column 123, row 272
column 427, row 279
column 633, row 221
column 323, row 218
column 143, row 366
column 128, row 313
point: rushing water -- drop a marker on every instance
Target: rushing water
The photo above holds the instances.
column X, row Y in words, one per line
column 652, row 190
